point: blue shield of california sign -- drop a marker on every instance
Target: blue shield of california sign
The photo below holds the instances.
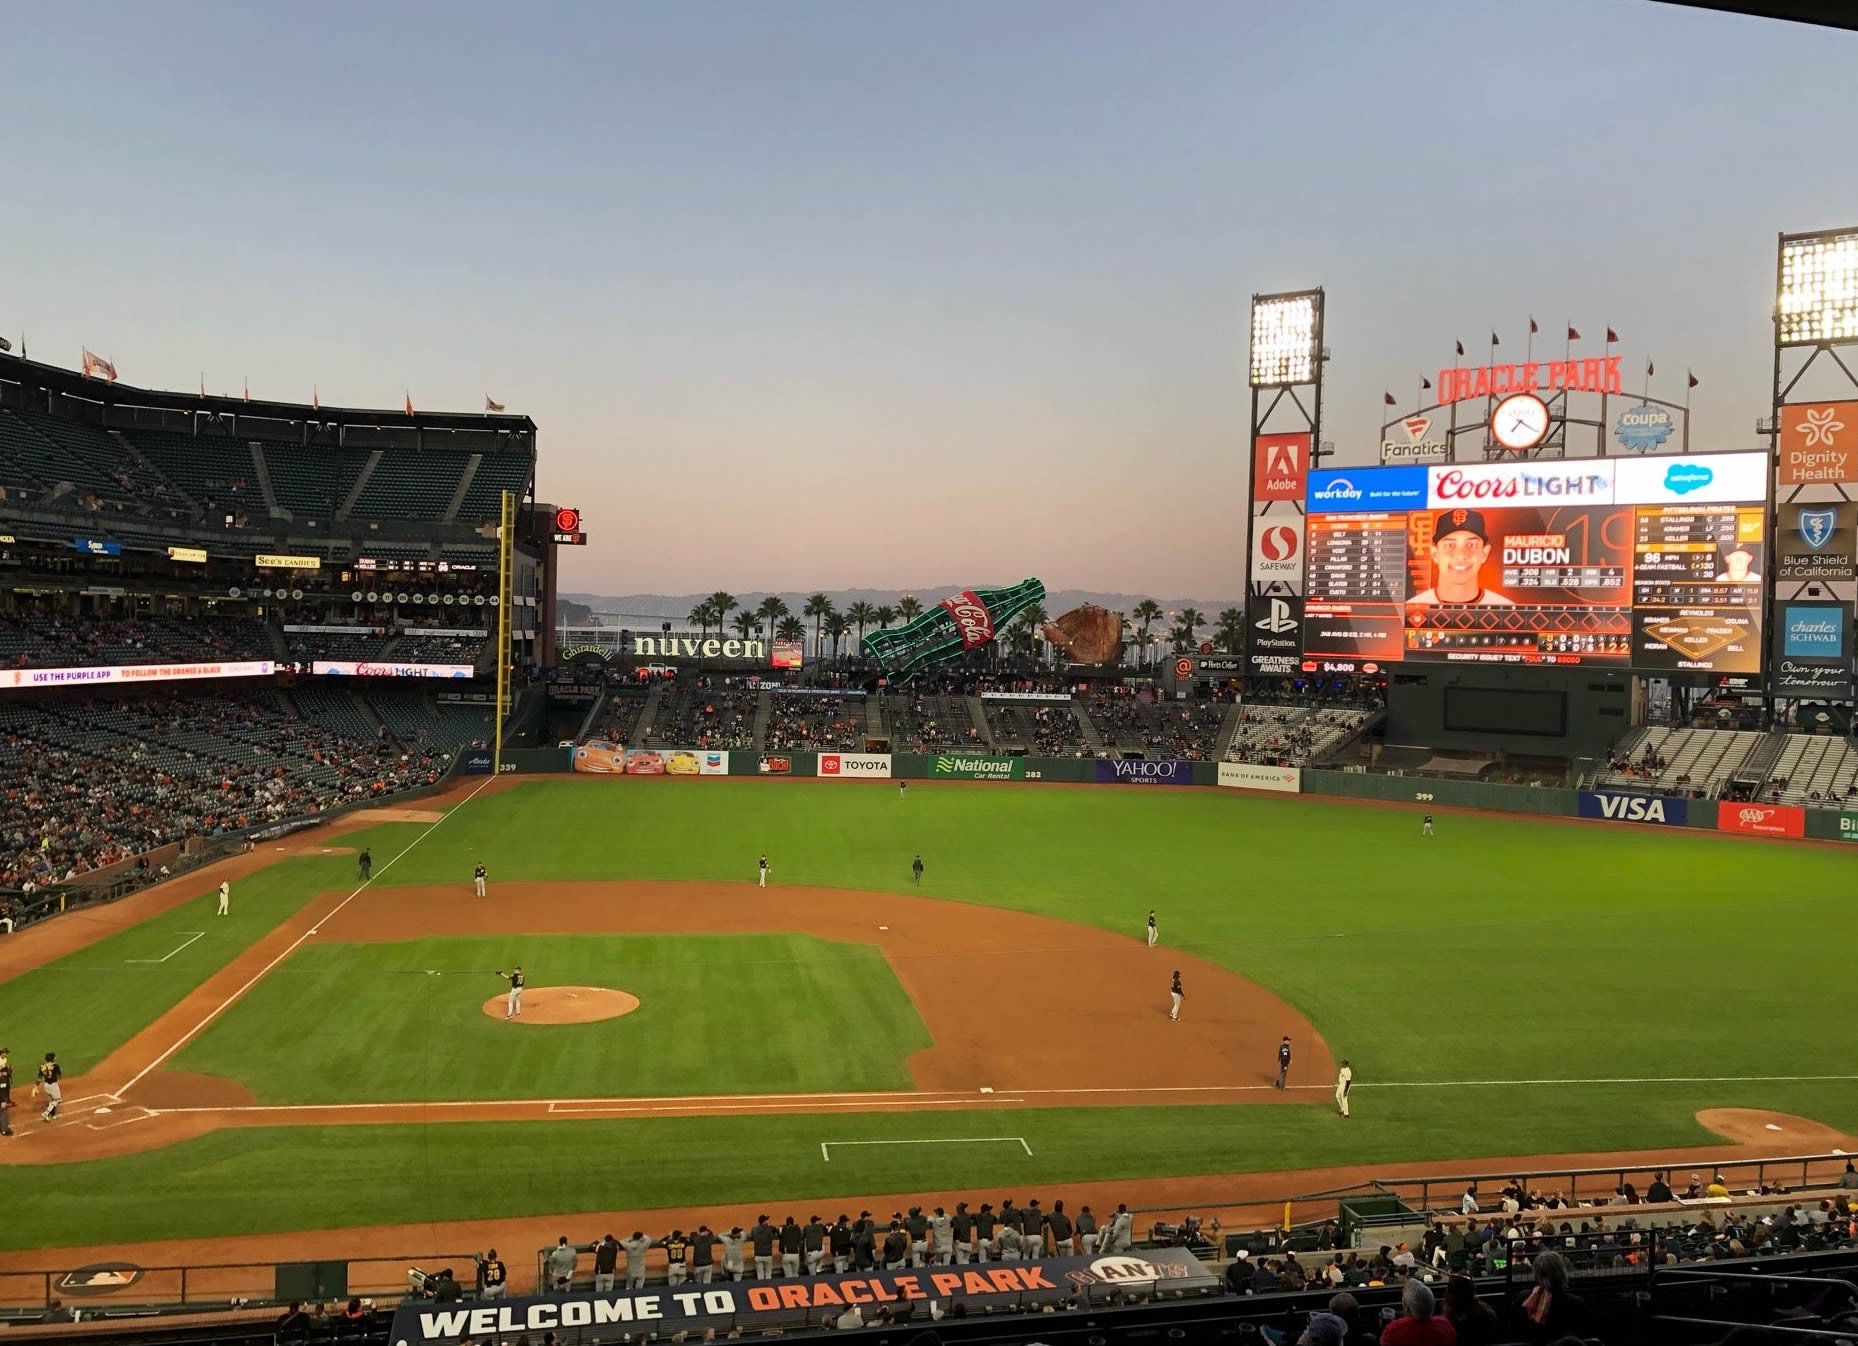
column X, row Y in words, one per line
column 1817, row 527
column 1643, row 428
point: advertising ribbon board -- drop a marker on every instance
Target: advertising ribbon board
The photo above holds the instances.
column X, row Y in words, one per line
column 360, row 669
column 1848, row 827
column 1764, row 820
column 963, row 767
column 133, row 673
column 801, row 1300
column 1622, row 806
column 855, row 765
column 1117, row 771
column 1253, row 776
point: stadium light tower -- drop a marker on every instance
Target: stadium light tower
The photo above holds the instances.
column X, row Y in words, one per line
column 1285, row 445
column 1813, row 432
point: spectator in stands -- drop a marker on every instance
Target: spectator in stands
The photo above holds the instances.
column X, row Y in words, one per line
column 1421, row 1324
column 293, row 1325
column 1849, row 1178
column 1325, row 1329
column 1551, row 1310
column 1475, row 1322
column 1659, row 1191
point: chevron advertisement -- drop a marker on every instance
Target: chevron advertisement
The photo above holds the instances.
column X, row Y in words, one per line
column 1620, row 806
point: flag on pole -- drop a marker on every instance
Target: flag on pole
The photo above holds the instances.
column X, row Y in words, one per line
column 1690, row 379
column 248, row 388
column 409, row 403
column 1648, row 366
column 1493, row 338
column 96, row 364
column 203, row 383
column 1573, row 335
column 1611, row 336
column 1388, row 398
column 316, row 397
column 1533, row 329
column 1460, row 346
column 489, row 405
column 1424, row 384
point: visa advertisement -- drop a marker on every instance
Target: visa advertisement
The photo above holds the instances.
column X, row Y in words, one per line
column 1650, row 563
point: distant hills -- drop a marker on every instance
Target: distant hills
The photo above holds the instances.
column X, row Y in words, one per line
column 675, row 607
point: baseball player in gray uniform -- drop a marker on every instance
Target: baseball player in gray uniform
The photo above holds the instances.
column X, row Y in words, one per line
column 732, row 1253
column 941, row 1233
column 513, row 1007
column 636, row 1247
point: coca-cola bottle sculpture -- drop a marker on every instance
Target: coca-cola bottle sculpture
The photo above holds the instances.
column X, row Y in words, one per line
column 945, row 630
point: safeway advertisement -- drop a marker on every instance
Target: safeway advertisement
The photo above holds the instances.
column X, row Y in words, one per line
column 855, row 765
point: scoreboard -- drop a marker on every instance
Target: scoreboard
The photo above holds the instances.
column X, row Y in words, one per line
column 1650, row 563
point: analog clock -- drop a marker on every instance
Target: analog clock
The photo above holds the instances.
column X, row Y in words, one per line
column 1520, row 422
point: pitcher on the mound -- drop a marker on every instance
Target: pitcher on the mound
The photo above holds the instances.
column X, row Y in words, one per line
column 513, row 1008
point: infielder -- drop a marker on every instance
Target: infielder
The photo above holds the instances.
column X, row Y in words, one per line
column 1344, row 1081
column 513, row 1008
column 50, row 1073
column 478, row 879
column 225, row 898
column 1176, row 994
column 761, row 873
column 1154, row 931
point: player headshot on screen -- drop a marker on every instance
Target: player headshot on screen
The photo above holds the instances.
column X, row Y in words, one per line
column 1460, row 546
column 1738, row 565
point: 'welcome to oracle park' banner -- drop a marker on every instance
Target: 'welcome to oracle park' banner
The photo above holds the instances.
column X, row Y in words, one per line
column 758, row 1305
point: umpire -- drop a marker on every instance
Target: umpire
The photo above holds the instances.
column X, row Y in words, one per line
column 1283, row 1062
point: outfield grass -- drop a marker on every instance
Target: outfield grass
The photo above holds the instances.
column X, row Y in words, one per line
column 1503, row 949
column 718, row 1014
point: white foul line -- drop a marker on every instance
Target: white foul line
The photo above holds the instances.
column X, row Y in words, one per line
column 192, row 935
column 825, row 1146
column 296, row 943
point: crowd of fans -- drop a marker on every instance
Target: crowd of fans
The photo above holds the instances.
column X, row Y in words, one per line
column 89, row 783
column 919, row 723
column 827, row 723
column 1132, row 718
column 709, row 713
column 1289, row 735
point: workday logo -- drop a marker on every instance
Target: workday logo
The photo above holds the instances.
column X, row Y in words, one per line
column 1338, row 489
column 1683, row 478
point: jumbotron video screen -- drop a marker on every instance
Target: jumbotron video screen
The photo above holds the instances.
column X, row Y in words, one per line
column 1649, row 563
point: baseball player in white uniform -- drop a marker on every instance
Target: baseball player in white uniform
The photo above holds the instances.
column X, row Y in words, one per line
column 1154, row 931
column 478, row 878
column 513, row 1007
column 1344, row 1081
column 761, row 873
column 225, row 899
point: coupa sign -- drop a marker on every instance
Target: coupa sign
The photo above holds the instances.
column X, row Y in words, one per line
column 1114, row 771
column 1614, row 806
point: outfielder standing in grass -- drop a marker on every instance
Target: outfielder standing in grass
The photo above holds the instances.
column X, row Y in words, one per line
column 761, row 873
column 1344, row 1082
column 513, row 1008
column 916, row 871
column 1154, row 931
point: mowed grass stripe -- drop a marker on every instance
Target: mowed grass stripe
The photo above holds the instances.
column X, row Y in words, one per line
column 1502, row 947
column 88, row 1003
column 251, row 1180
column 718, row 1014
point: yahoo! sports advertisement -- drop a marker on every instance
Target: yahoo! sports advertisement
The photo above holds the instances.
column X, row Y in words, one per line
column 1649, row 563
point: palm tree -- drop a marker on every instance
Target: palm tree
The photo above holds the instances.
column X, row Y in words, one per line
column 700, row 617
column 1190, row 620
column 908, row 607
column 1023, row 634
column 817, row 606
column 791, row 628
column 721, row 603
column 744, row 624
column 1231, row 629
column 885, row 616
column 863, row 614
column 1146, row 613
column 836, row 627
column 772, row 609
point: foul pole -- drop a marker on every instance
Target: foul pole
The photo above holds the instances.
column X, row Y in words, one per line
column 506, row 534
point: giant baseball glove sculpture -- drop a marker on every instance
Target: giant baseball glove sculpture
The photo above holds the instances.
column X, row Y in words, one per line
column 1088, row 635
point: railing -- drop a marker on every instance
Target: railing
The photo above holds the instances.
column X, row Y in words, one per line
column 115, row 1288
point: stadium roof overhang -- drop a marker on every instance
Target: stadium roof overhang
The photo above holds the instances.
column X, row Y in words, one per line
column 1826, row 13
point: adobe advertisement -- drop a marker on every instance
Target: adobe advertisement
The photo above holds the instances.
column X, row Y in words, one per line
column 1654, row 563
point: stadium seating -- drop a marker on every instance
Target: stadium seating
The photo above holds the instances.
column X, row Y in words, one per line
column 919, row 723
column 496, row 472
column 1814, row 770
column 310, row 483
column 691, row 716
column 45, row 641
column 1136, row 723
column 410, row 486
column 215, row 471
column 1291, row 735
column 1044, row 729
column 619, row 717
column 1678, row 761
column 829, row 723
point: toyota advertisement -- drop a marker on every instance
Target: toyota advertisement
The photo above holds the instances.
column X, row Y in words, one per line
column 1656, row 564
column 854, row 765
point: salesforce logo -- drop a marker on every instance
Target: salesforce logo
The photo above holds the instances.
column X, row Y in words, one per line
column 1683, row 478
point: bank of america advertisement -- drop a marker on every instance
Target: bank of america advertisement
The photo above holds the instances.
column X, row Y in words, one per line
column 1652, row 563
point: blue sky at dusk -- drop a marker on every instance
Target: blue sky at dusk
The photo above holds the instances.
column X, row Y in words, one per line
column 820, row 295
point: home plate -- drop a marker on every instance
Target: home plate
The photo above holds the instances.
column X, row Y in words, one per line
column 883, row 927
column 102, row 1112
column 1772, row 1127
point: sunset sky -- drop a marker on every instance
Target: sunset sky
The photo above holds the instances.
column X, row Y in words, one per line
column 818, row 295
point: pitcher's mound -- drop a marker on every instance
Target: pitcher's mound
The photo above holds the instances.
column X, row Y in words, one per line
column 1752, row 1126
column 565, row 1004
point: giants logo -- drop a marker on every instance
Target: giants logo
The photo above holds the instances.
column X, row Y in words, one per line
column 971, row 618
